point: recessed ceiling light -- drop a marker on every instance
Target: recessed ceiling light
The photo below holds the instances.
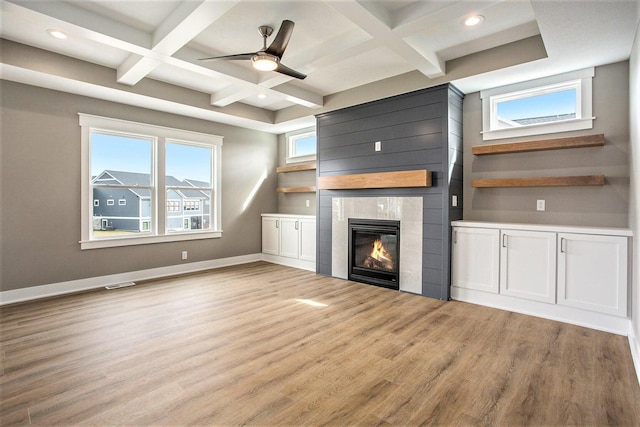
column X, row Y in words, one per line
column 473, row 20
column 262, row 96
column 57, row 34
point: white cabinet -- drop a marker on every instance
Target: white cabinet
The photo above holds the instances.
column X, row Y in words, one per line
column 592, row 272
column 307, row 243
column 270, row 235
column 475, row 259
column 289, row 237
column 289, row 240
column 576, row 274
column 528, row 264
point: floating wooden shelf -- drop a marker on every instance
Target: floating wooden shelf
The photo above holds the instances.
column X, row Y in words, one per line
column 296, row 189
column 542, row 145
column 402, row 179
column 296, row 168
column 550, row 181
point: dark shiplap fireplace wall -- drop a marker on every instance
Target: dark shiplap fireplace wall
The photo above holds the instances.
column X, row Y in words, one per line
column 417, row 130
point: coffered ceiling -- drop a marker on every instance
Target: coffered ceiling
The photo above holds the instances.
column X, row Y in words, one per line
column 147, row 53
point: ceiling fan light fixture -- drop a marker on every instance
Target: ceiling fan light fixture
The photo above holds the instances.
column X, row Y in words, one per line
column 264, row 62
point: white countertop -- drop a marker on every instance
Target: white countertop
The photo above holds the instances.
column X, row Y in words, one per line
column 609, row 231
column 289, row 215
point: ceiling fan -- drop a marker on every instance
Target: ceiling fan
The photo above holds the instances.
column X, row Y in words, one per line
column 268, row 58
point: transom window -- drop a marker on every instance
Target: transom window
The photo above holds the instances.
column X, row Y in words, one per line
column 144, row 167
column 301, row 145
column 553, row 104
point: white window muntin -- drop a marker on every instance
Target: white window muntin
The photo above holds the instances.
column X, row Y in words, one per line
column 584, row 120
column 89, row 123
column 292, row 139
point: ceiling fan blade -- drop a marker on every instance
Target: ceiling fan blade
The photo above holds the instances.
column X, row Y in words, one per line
column 283, row 69
column 238, row 56
column 279, row 44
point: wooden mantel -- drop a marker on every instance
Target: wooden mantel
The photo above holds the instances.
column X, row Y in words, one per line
column 402, row 179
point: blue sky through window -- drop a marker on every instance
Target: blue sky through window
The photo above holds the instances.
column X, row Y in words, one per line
column 120, row 153
column 188, row 162
column 128, row 154
column 306, row 146
column 551, row 104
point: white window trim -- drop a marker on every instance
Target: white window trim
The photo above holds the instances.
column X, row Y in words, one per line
column 90, row 122
column 584, row 111
column 290, row 140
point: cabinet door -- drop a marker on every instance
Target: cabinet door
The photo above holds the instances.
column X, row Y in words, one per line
column 307, row 239
column 592, row 272
column 475, row 258
column 289, row 237
column 270, row 235
column 528, row 265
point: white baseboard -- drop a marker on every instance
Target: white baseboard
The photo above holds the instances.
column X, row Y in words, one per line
column 61, row 288
column 291, row 262
column 634, row 344
column 572, row 315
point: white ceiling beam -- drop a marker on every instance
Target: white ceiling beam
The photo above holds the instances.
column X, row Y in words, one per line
column 229, row 95
column 135, row 68
column 300, row 96
column 186, row 22
column 381, row 30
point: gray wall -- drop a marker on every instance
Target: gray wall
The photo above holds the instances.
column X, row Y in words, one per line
column 590, row 206
column 294, row 203
column 418, row 130
column 40, row 190
column 634, row 205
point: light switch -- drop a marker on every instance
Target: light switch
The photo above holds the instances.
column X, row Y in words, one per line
column 540, row 205
column 378, row 145
column 454, row 201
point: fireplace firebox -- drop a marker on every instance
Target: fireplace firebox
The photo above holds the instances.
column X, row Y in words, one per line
column 374, row 252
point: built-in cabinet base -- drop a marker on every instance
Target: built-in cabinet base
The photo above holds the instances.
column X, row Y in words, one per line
column 573, row 274
column 289, row 240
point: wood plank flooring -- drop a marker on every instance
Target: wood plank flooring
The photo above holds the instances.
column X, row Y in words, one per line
column 245, row 345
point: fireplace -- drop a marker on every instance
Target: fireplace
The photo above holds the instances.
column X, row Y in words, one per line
column 374, row 252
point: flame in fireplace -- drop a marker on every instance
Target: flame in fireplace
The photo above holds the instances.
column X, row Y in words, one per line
column 379, row 253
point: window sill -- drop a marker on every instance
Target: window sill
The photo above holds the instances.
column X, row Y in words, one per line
column 133, row 241
column 541, row 129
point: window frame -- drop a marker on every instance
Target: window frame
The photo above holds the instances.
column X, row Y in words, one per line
column 581, row 80
column 292, row 137
column 162, row 135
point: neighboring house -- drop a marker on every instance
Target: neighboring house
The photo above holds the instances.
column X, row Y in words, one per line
column 129, row 209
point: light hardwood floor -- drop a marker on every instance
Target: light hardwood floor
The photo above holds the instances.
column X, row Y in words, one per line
column 242, row 345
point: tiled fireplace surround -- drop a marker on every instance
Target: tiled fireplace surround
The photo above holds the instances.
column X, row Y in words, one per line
column 407, row 210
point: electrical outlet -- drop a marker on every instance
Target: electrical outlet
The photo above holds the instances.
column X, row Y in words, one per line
column 378, row 145
column 454, row 201
column 540, row 205
column 307, row 202
column 184, row 255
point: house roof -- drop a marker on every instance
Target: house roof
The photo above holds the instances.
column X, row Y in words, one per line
column 133, row 179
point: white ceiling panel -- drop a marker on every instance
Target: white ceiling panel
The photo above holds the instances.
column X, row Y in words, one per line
column 339, row 44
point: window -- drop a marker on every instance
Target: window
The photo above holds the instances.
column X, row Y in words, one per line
column 145, row 167
column 552, row 104
column 301, row 145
